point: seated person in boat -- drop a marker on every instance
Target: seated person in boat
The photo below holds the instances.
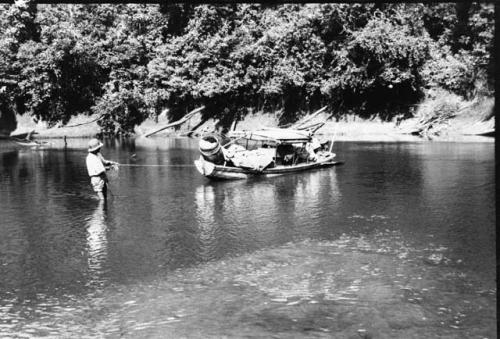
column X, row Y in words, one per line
column 312, row 148
column 285, row 154
column 308, row 151
column 302, row 153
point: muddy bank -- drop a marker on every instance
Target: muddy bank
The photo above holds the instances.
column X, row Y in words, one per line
column 466, row 126
column 352, row 128
column 85, row 127
column 373, row 286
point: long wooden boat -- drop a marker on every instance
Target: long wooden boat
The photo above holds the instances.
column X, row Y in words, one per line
column 214, row 162
column 213, row 171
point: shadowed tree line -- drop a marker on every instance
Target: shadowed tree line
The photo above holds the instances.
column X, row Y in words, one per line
column 128, row 62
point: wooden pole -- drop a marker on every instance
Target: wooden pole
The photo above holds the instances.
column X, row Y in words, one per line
column 333, row 137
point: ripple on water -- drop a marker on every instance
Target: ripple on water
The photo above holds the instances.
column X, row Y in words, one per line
column 342, row 286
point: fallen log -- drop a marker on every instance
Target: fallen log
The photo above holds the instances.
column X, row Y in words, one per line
column 178, row 122
column 192, row 130
column 308, row 118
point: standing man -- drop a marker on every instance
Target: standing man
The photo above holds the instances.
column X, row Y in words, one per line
column 96, row 167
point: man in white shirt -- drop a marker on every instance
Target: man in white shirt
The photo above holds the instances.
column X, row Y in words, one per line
column 96, row 167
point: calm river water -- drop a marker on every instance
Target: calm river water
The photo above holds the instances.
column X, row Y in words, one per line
column 397, row 242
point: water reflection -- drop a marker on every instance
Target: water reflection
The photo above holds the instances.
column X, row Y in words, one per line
column 56, row 239
column 97, row 244
column 317, row 195
column 205, row 207
column 251, row 214
column 164, row 143
column 204, row 198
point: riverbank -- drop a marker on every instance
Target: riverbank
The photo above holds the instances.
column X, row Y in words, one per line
column 85, row 127
column 468, row 124
column 350, row 128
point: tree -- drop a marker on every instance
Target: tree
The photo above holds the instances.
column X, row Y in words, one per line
column 18, row 26
column 59, row 80
column 379, row 68
column 462, row 61
column 127, row 62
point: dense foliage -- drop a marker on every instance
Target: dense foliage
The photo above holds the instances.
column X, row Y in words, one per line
column 128, row 62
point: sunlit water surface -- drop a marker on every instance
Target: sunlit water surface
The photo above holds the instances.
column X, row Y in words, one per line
column 397, row 242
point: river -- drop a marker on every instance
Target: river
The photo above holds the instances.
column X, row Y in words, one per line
column 399, row 242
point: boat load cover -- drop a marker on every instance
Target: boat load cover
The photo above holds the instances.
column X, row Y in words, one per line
column 256, row 160
column 283, row 135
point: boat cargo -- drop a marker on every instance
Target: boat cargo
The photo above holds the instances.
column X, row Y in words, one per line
column 267, row 152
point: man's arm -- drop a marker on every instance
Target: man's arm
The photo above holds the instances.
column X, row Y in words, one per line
column 107, row 162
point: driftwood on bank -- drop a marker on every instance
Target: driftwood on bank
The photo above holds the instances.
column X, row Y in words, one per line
column 433, row 123
column 26, row 142
column 192, row 130
column 178, row 122
column 23, row 136
column 24, row 139
column 301, row 124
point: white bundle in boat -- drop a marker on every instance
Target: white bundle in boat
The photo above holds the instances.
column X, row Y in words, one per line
column 256, row 160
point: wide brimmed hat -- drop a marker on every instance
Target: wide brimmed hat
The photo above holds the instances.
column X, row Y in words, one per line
column 94, row 145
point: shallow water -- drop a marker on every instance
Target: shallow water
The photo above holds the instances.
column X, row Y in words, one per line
column 398, row 242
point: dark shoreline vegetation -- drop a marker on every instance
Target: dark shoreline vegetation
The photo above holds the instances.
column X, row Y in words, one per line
column 130, row 62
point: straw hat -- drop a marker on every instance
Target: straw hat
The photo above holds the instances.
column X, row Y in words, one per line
column 94, row 145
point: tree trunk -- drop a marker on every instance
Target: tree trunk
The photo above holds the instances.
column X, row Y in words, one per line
column 8, row 122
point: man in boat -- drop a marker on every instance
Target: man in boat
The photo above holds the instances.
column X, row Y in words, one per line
column 285, row 153
column 307, row 152
column 312, row 147
column 96, row 167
